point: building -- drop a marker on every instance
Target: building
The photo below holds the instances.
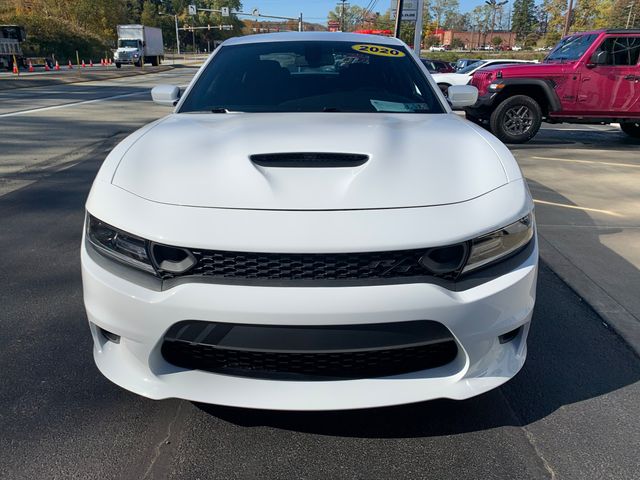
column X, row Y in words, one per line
column 477, row 39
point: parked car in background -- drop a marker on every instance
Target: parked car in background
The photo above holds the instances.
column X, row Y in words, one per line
column 516, row 48
column 437, row 66
column 437, row 48
column 465, row 62
column 463, row 76
column 591, row 77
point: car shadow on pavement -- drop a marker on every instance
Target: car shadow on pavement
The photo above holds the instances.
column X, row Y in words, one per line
column 579, row 136
column 573, row 357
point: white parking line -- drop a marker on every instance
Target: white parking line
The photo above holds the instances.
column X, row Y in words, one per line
column 575, row 207
column 75, row 104
column 595, row 162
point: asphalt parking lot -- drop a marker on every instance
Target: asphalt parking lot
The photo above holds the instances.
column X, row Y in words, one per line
column 571, row 413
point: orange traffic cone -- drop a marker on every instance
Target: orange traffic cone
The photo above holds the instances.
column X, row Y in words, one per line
column 31, row 69
column 90, row 63
column 46, row 66
column 57, row 67
column 15, row 68
column 70, row 66
column 109, row 62
column 83, row 65
column 102, row 62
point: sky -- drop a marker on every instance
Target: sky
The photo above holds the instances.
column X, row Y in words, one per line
column 315, row 11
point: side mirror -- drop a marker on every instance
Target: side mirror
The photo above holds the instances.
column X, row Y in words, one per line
column 462, row 96
column 165, row 94
column 598, row 58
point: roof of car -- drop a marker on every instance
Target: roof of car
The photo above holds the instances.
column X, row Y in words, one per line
column 607, row 30
column 508, row 60
column 314, row 36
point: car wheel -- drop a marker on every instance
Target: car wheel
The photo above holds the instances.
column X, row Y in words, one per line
column 631, row 128
column 444, row 88
column 516, row 120
column 118, row 65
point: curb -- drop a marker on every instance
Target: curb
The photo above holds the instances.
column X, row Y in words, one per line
column 612, row 312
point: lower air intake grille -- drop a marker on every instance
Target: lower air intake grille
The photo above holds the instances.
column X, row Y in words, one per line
column 301, row 353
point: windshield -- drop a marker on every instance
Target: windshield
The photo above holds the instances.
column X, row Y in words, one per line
column 312, row 76
column 472, row 67
column 127, row 43
column 571, row 48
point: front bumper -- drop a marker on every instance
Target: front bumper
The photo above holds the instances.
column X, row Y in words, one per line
column 483, row 105
column 141, row 316
column 126, row 61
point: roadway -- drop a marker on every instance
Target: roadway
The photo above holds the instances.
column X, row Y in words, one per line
column 570, row 414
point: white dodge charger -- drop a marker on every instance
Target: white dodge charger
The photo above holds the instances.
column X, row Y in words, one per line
column 312, row 228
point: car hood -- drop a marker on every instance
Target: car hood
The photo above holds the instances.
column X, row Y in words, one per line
column 456, row 78
column 202, row 160
column 528, row 69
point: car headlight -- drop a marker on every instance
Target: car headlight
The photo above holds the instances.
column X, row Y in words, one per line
column 496, row 245
column 119, row 245
column 160, row 260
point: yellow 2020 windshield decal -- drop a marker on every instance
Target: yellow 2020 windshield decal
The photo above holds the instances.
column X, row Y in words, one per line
column 378, row 50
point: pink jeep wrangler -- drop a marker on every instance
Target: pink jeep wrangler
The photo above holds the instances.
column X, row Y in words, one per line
column 590, row 77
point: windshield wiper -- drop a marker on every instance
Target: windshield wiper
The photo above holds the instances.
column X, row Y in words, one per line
column 330, row 109
column 219, row 110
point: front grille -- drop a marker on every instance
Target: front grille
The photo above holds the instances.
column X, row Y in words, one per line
column 363, row 267
column 480, row 80
column 251, row 351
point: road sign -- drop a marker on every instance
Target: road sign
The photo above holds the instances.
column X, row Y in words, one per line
column 192, row 10
column 224, row 11
column 409, row 10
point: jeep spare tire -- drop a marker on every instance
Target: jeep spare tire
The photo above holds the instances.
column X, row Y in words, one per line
column 516, row 120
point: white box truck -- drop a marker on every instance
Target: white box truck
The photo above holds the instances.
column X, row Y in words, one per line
column 138, row 44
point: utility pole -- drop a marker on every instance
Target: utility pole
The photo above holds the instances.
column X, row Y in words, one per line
column 495, row 6
column 417, row 36
column 630, row 6
column 567, row 20
column 175, row 19
column 396, row 31
column 342, row 15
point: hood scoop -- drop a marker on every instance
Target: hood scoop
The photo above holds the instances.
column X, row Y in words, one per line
column 309, row 160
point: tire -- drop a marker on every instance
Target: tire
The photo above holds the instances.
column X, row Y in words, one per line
column 444, row 88
column 516, row 120
column 138, row 63
column 118, row 65
column 155, row 61
column 631, row 128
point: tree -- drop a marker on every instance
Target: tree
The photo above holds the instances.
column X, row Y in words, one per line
column 556, row 16
column 443, row 10
column 497, row 41
column 523, row 19
column 480, row 20
column 149, row 15
column 457, row 21
column 457, row 44
column 352, row 16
